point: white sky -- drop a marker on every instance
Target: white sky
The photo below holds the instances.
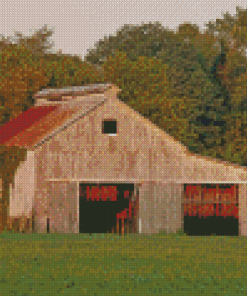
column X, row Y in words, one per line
column 77, row 25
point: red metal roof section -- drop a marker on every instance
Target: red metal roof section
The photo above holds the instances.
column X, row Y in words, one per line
column 23, row 122
column 41, row 128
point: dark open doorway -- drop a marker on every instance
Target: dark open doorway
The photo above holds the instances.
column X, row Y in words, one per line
column 100, row 216
column 219, row 226
column 211, row 209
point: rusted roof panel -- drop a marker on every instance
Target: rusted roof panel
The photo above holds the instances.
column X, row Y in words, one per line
column 23, row 122
column 37, row 131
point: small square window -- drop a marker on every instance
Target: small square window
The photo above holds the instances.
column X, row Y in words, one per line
column 109, row 126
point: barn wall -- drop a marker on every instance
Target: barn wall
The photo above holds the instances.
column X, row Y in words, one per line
column 137, row 152
column 42, row 192
column 22, row 191
column 198, row 169
column 62, row 207
column 57, row 201
column 243, row 209
column 160, row 207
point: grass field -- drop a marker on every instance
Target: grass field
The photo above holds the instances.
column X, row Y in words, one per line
column 134, row 264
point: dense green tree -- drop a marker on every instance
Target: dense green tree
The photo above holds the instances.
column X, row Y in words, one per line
column 20, row 77
column 135, row 40
column 231, row 32
column 192, row 77
column 213, row 108
column 64, row 70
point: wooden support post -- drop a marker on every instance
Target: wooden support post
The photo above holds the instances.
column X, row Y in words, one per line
column 217, row 201
column 30, row 224
column 128, row 227
column 122, row 228
column 10, row 223
column 136, row 216
column 117, row 225
column 217, row 192
column 204, row 206
column 24, row 223
column 21, row 222
column 235, row 193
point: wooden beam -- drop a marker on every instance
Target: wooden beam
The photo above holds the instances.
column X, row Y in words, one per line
column 217, row 193
column 210, row 201
column 117, row 226
column 122, row 226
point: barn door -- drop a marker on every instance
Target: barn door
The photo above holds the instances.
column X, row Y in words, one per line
column 211, row 209
column 105, row 208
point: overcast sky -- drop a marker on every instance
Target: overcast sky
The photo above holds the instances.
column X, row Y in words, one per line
column 77, row 25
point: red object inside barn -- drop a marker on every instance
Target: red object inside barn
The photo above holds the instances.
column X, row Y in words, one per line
column 218, row 207
column 110, row 193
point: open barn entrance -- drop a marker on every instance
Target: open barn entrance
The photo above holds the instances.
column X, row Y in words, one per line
column 107, row 208
column 211, row 209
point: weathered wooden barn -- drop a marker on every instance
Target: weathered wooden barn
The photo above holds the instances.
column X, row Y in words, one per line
column 96, row 165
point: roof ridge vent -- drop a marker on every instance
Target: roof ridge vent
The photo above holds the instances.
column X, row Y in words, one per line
column 72, row 89
column 56, row 95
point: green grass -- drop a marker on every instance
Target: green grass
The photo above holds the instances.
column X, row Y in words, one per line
column 134, row 264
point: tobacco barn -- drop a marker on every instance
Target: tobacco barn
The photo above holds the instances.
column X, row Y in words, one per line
column 94, row 165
